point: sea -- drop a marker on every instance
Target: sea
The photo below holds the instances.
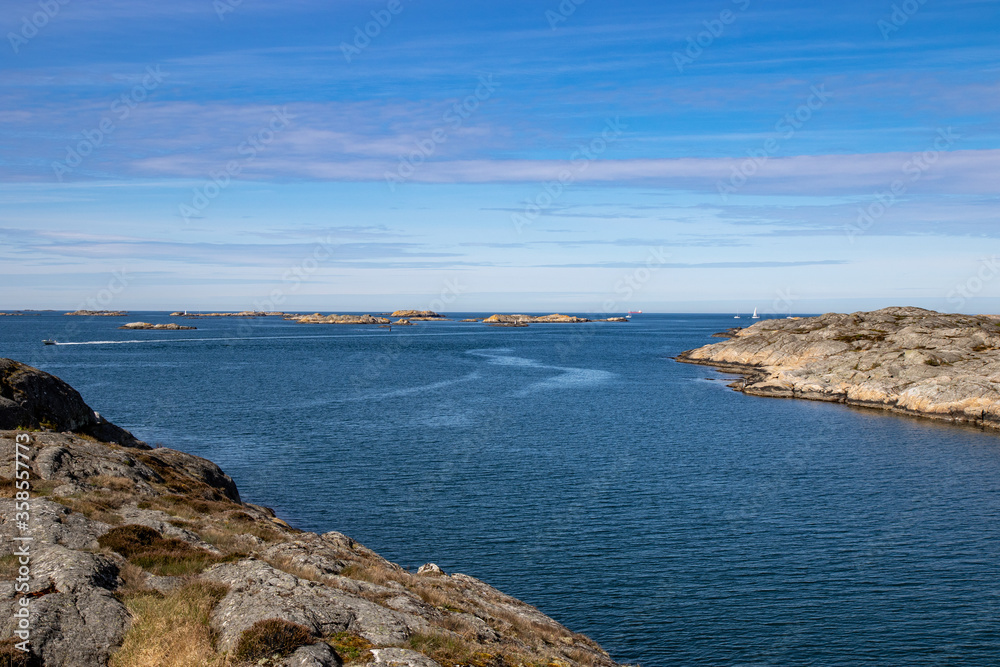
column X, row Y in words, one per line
column 581, row 469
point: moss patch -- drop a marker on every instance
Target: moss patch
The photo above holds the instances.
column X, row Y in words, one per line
column 350, row 647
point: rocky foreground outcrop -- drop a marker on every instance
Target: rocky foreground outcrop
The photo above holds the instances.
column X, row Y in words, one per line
column 907, row 360
column 141, row 556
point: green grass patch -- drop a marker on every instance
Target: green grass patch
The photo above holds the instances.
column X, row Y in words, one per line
column 350, row 647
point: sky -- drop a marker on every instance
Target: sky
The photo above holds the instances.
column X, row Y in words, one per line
column 581, row 156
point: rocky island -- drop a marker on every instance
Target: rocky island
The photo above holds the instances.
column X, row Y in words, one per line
column 906, row 360
column 98, row 313
column 318, row 318
column 143, row 556
column 524, row 320
column 146, row 326
column 419, row 315
column 242, row 313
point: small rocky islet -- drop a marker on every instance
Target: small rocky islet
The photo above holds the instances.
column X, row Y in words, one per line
column 98, row 313
column 149, row 556
column 146, row 326
column 902, row 359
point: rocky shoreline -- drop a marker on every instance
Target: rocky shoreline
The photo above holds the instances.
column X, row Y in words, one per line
column 143, row 556
column 906, row 360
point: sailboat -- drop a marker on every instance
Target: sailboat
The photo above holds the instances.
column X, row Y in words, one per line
column 755, row 316
column 737, row 317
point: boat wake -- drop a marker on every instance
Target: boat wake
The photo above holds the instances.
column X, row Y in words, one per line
column 568, row 377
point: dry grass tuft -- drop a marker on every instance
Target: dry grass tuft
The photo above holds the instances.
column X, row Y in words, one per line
column 271, row 638
column 97, row 505
column 165, row 556
column 112, row 482
column 9, row 565
column 190, row 507
column 172, row 630
column 375, row 574
column 448, row 650
column 36, row 487
column 11, row 656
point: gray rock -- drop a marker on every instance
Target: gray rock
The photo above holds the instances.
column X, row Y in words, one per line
column 34, row 399
column 311, row 554
column 430, row 569
column 401, row 657
column 200, row 469
column 84, row 460
column 258, row 592
column 159, row 521
column 316, row 655
column 76, row 620
column 52, row 523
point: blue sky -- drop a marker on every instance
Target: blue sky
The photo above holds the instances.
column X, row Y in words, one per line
column 537, row 156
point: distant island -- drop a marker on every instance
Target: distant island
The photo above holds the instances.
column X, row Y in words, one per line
column 418, row 315
column 98, row 313
column 318, row 318
column 242, row 313
column 524, row 320
column 156, row 327
column 139, row 554
column 906, row 360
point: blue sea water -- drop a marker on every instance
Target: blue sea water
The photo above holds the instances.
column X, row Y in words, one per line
column 581, row 469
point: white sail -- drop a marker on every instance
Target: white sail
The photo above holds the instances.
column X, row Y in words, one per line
column 755, row 316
